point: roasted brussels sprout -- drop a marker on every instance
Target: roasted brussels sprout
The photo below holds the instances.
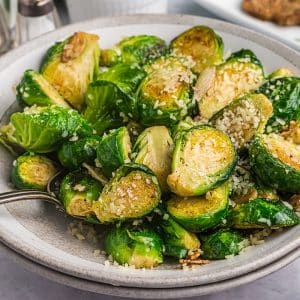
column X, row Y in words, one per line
column 35, row 89
column 165, row 95
column 31, row 171
column 284, row 93
column 241, row 73
column 132, row 193
column 200, row 45
column 200, row 213
column 71, row 65
column 78, row 191
column 243, row 118
column 114, row 150
column 139, row 49
column 43, row 129
column 140, row 247
column 203, row 159
column 177, row 240
column 111, row 99
column 276, row 162
column 223, row 244
column 281, row 72
column 72, row 154
column 154, row 148
column 261, row 213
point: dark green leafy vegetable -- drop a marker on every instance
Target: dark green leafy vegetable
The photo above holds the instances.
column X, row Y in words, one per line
column 201, row 47
column 114, row 150
column 35, row 89
column 200, row 213
column 71, row 65
column 78, row 192
column 222, row 244
column 241, row 73
column 165, row 95
column 203, row 159
column 284, row 93
column 139, row 49
column 31, row 171
column 140, row 247
column 261, row 213
column 73, row 154
column 276, row 162
column 132, row 193
column 43, row 129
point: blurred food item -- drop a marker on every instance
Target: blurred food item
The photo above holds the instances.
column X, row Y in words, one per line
column 283, row 12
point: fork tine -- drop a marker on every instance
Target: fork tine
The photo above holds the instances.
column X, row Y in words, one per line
column 22, row 192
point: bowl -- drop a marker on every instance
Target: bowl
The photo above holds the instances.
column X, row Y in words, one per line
column 39, row 232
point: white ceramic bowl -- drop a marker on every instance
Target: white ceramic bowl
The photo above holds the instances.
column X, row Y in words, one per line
column 39, row 232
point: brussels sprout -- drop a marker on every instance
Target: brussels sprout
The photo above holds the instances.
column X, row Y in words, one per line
column 132, row 193
column 284, row 93
column 140, row 247
column 223, row 244
column 201, row 45
column 243, row 118
column 78, row 191
column 276, row 162
column 111, row 99
column 43, row 129
column 177, row 240
column 281, row 72
column 200, row 213
column 154, row 148
column 35, row 89
column 164, row 96
column 73, row 154
column 261, row 213
column 292, row 132
column 203, row 159
column 71, row 65
column 31, row 171
column 139, row 49
column 114, row 150
column 241, row 73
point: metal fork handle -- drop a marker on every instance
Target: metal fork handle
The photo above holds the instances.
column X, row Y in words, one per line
column 21, row 195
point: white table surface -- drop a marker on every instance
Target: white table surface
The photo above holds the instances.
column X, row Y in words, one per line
column 17, row 283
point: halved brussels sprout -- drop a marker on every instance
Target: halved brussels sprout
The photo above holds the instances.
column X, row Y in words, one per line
column 292, row 132
column 223, row 244
column 132, row 193
column 111, row 99
column 43, row 129
column 140, row 247
column 165, row 95
column 177, row 240
column 200, row 213
column 154, row 148
column 35, row 89
column 243, row 118
column 281, row 72
column 73, row 154
column 284, row 93
column 31, row 171
column 200, row 45
column 276, row 162
column 241, row 73
column 78, row 191
column 261, row 213
column 71, row 65
column 204, row 158
column 114, row 150
column 139, row 49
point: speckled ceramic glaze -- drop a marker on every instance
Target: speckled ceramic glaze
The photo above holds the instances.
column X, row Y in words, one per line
column 36, row 230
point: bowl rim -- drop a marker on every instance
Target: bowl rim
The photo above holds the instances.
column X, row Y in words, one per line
column 277, row 47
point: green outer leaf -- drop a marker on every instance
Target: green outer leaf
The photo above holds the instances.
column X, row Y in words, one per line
column 277, row 174
column 114, row 150
column 222, row 243
column 261, row 213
